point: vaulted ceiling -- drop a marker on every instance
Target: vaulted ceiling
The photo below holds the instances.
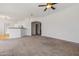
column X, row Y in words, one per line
column 18, row 11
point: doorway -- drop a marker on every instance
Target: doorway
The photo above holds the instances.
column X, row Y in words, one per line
column 36, row 28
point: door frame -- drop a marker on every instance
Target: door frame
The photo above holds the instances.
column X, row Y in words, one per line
column 36, row 22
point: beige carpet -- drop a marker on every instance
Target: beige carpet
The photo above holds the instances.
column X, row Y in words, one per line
column 38, row 46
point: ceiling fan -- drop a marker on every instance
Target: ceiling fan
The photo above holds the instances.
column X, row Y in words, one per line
column 48, row 5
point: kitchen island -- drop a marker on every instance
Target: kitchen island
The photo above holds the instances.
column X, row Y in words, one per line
column 15, row 32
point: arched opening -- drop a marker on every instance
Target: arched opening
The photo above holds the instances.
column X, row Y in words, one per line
column 36, row 28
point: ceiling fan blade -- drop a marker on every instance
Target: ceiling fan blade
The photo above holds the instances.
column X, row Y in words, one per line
column 53, row 8
column 41, row 5
column 45, row 9
column 53, row 3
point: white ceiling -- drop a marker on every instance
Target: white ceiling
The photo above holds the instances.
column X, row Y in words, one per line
column 25, row 10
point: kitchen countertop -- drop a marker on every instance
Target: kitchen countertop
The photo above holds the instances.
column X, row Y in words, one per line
column 16, row 28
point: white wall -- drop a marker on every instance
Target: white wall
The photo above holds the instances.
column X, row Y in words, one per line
column 63, row 25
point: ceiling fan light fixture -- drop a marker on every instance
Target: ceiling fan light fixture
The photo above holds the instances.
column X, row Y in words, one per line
column 48, row 6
